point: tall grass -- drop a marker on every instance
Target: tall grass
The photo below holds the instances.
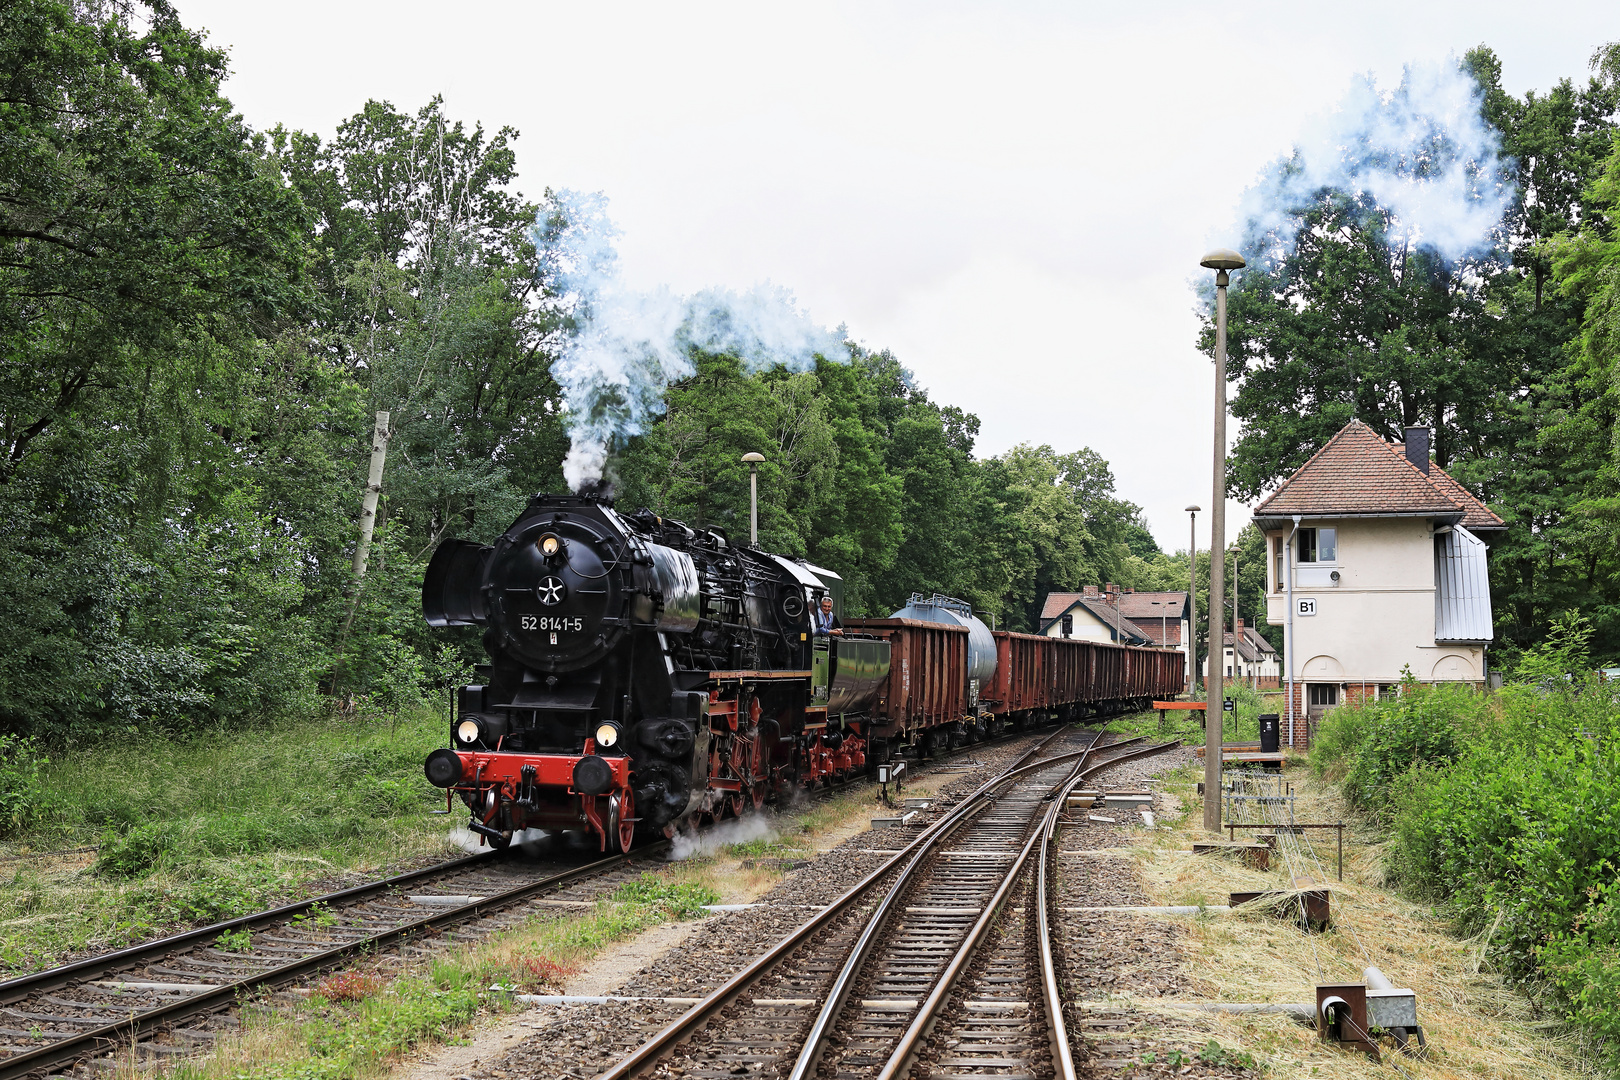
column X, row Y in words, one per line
column 203, row 827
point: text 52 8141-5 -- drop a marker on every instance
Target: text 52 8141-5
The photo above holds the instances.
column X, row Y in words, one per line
column 550, row 622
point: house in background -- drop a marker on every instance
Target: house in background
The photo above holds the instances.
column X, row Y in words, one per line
column 1250, row 659
column 1091, row 615
column 1161, row 615
column 1378, row 564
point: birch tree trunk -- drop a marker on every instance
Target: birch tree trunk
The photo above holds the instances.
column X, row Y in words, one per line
column 368, row 505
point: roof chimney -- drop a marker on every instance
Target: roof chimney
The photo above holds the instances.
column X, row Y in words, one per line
column 1239, row 628
column 1112, row 590
column 1091, row 592
column 1417, row 448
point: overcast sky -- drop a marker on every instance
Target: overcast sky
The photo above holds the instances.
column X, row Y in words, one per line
column 1012, row 197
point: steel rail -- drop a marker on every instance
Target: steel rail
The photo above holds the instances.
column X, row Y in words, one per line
column 100, row 1039
column 683, row 1026
column 900, row 1059
column 51, row 978
column 815, row 1043
column 1056, row 1026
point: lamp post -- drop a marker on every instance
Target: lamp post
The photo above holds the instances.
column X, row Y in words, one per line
column 753, row 461
column 1220, row 260
column 1192, row 598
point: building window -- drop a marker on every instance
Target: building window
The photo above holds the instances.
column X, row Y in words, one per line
column 1323, row 694
column 1277, row 559
column 1388, row 691
column 1318, row 545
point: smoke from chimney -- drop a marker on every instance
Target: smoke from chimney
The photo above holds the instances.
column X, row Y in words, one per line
column 1421, row 152
column 622, row 347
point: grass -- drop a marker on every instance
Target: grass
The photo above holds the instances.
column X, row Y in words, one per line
column 1476, row 1025
column 193, row 830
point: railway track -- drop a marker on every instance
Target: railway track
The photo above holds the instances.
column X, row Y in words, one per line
column 160, row 994
column 164, row 995
column 894, row 973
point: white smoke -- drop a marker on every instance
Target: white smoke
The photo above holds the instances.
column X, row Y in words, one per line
column 625, row 347
column 743, row 830
column 1422, row 152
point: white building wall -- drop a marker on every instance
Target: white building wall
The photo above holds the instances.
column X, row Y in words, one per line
column 1378, row 617
column 1087, row 627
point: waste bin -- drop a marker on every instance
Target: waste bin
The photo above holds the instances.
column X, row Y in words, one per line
column 1270, row 732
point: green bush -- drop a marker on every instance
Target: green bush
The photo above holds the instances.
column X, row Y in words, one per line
column 21, row 789
column 1519, row 830
column 1583, row 963
column 1369, row 746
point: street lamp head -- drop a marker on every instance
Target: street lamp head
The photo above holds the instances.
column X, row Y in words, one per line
column 1223, row 259
column 753, row 459
column 1194, row 509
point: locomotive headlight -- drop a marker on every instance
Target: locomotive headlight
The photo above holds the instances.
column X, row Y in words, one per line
column 467, row 732
column 607, row 734
column 550, row 545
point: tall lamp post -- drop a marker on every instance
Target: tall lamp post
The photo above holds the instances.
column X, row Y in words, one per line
column 1220, row 260
column 753, row 461
column 1192, row 599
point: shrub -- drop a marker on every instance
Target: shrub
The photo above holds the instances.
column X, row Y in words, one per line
column 1370, row 745
column 21, row 789
column 137, row 850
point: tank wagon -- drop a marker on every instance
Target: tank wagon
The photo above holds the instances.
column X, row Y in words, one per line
column 643, row 675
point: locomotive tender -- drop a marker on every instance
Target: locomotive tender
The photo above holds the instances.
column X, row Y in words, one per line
column 643, row 674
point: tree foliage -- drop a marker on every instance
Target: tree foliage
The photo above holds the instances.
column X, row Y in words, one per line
column 1353, row 321
column 200, row 323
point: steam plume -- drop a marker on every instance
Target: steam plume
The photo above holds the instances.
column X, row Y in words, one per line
column 1422, row 152
column 626, row 347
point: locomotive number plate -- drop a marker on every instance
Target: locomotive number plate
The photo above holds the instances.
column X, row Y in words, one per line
column 551, row 622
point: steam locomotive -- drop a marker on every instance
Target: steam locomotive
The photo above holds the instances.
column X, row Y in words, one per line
column 643, row 674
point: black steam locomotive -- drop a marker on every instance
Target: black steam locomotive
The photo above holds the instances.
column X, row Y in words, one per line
column 641, row 673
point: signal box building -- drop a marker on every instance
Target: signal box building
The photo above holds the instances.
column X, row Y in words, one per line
column 1378, row 563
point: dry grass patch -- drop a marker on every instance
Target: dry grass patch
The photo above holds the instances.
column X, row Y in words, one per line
column 1476, row 1026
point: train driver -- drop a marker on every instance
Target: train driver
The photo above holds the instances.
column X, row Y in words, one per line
column 826, row 621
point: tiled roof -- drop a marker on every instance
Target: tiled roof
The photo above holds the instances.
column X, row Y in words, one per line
column 1059, row 602
column 1111, row 616
column 1150, row 605
column 1358, row 473
column 1104, row 612
column 1476, row 515
column 1254, row 647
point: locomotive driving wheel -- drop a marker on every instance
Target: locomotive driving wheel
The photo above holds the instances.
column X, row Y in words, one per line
column 621, row 824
